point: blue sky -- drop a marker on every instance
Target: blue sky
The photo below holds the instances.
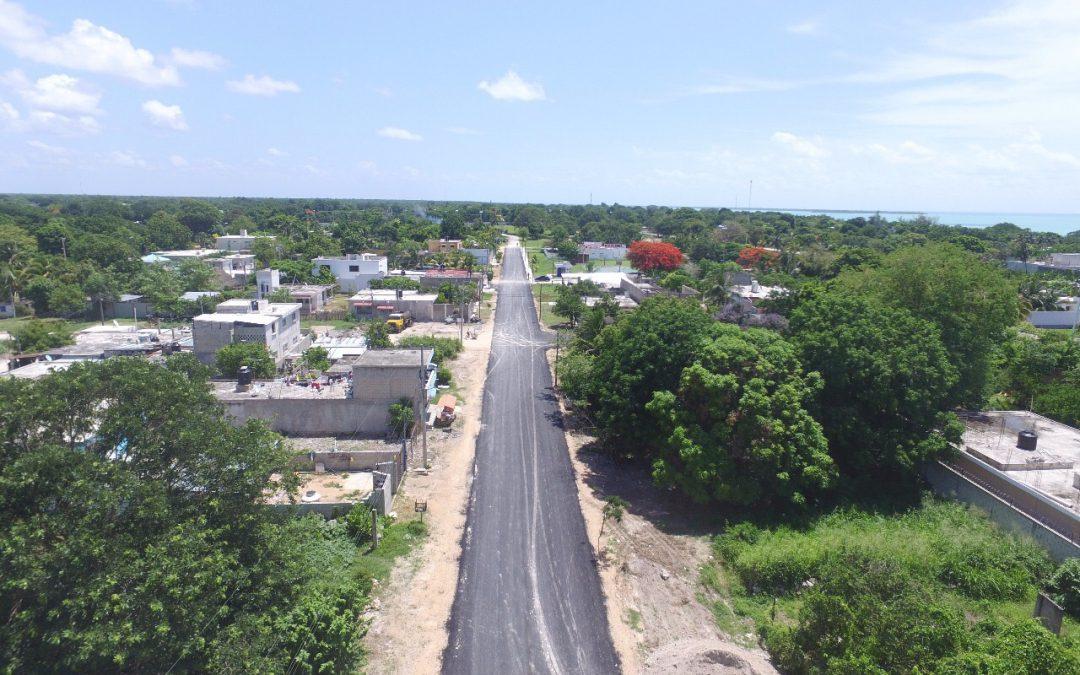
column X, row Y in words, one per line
column 963, row 106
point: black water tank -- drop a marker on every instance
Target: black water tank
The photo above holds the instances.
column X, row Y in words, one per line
column 1027, row 440
column 243, row 376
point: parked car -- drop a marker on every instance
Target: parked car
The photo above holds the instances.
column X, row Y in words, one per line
column 543, row 277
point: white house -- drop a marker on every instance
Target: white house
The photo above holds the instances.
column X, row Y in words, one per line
column 239, row 242
column 354, row 271
column 276, row 325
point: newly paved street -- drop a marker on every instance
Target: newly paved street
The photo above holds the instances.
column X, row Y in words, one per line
column 528, row 597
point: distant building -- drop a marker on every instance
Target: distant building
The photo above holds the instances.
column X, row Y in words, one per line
column 379, row 304
column 482, row 255
column 354, row 271
column 436, row 278
column 1070, row 260
column 747, row 296
column 127, row 306
column 312, row 297
column 276, row 325
column 1065, row 317
column 443, row 245
column 232, row 270
column 239, row 242
column 594, row 250
column 7, row 309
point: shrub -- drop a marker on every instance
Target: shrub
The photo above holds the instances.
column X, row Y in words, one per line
column 401, row 417
column 443, row 375
column 1065, row 584
column 251, row 354
column 446, row 349
column 37, row 336
column 358, row 522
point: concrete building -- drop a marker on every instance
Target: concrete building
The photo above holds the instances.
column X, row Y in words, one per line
column 1070, row 260
column 749, row 295
column 594, row 250
column 481, row 255
column 312, row 297
column 7, row 309
column 127, row 306
column 360, row 406
column 436, row 278
column 355, row 271
column 1022, row 469
column 379, row 304
column 232, row 270
column 239, row 242
column 443, row 245
column 276, row 325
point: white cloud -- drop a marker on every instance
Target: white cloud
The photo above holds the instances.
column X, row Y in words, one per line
column 165, row 116
column 805, row 147
column 54, row 92
column 86, row 46
column 179, row 161
column 274, row 152
column 8, row 112
column 808, row 27
column 463, row 131
column 385, row 92
column 906, row 152
column 57, row 123
column 262, row 86
column 400, row 134
column 196, row 58
column 511, row 87
column 126, row 158
column 55, row 150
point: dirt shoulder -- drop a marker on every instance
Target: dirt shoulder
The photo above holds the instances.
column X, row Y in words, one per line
column 408, row 632
column 649, row 566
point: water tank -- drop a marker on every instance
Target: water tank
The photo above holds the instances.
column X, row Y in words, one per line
column 243, row 376
column 1027, row 440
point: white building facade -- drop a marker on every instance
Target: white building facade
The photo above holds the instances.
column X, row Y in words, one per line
column 354, row 271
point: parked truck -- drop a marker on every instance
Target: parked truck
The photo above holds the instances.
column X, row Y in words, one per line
column 399, row 321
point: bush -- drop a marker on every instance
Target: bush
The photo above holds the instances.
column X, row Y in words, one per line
column 401, row 417
column 443, row 375
column 358, row 522
column 1065, row 585
column 446, row 349
column 38, row 336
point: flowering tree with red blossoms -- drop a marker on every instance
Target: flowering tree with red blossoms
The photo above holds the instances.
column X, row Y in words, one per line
column 651, row 256
column 757, row 257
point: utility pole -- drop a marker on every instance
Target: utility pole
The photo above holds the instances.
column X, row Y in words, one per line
column 421, row 409
column 63, row 246
column 750, row 196
column 541, row 302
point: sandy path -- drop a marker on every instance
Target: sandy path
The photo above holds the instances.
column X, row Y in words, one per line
column 408, row 630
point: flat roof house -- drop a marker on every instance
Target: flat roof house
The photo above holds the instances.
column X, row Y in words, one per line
column 312, row 297
column 239, row 242
column 354, row 271
column 276, row 325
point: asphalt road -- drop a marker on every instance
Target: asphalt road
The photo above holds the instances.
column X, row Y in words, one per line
column 528, row 597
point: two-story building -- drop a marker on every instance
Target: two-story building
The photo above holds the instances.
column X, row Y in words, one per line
column 239, row 242
column 276, row 325
column 354, row 271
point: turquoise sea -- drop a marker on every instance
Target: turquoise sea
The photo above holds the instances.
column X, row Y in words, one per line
column 1062, row 223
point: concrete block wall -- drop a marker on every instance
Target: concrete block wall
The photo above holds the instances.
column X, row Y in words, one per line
column 314, row 416
column 947, row 482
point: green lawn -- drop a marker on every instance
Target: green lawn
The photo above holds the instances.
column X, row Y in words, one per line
column 397, row 540
column 540, row 263
column 548, row 317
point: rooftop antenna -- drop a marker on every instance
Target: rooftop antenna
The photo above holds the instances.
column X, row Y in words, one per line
column 750, row 195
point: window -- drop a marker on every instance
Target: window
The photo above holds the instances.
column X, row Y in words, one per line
column 354, row 268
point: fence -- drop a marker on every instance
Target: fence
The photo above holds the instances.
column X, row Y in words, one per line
column 329, row 315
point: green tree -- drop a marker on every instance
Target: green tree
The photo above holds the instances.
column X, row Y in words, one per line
column 644, row 351
column 316, row 358
column 254, row 355
column 67, row 300
column 971, row 301
column 378, row 337
column 196, row 275
column 614, row 509
column 266, row 250
column 735, row 428
column 164, row 231
column 568, row 303
column 279, row 295
column 133, row 530
column 397, row 283
column 887, row 384
column 39, row 336
column 198, row 216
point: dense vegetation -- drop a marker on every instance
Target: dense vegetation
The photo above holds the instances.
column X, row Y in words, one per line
column 134, row 537
column 936, row 588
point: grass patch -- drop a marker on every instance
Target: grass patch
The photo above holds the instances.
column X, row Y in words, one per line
column 398, row 539
column 633, row 619
column 548, row 317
